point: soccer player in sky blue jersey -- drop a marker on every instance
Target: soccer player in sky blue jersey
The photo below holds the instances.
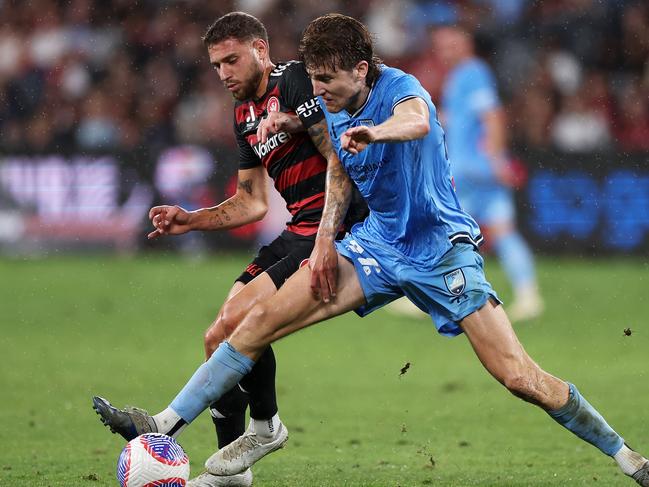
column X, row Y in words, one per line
column 417, row 242
column 474, row 122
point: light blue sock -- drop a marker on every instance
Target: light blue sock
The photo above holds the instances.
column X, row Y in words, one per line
column 222, row 371
column 516, row 259
column 584, row 421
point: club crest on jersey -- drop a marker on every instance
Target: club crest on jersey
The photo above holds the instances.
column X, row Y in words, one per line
column 455, row 282
column 272, row 105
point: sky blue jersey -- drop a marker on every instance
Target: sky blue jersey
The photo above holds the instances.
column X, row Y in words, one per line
column 407, row 185
column 468, row 93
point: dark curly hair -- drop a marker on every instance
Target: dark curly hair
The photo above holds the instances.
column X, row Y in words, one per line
column 235, row 25
column 338, row 42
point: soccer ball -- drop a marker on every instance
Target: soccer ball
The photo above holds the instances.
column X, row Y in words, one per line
column 153, row 460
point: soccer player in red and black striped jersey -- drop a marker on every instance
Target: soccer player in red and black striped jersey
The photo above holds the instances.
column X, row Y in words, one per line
column 281, row 130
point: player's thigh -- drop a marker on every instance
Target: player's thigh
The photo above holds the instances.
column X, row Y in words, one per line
column 494, row 341
column 295, row 252
column 234, row 309
column 294, row 307
column 278, row 260
column 498, row 348
column 298, row 251
column 236, row 287
column 259, row 289
column 349, row 296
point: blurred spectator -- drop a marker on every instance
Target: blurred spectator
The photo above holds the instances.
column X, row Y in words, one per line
column 632, row 127
column 97, row 129
column 578, row 128
column 119, row 75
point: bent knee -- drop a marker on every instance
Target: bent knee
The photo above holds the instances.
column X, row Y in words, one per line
column 212, row 337
column 217, row 332
column 225, row 323
column 258, row 326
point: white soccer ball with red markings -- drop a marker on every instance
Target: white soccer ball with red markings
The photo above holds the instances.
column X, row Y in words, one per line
column 153, row 460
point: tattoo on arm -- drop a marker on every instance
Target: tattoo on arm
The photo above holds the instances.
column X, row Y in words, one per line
column 338, row 192
column 221, row 214
column 320, row 138
column 246, row 185
column 337, row 201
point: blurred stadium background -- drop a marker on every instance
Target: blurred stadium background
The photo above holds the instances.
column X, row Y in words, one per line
column 109, row 107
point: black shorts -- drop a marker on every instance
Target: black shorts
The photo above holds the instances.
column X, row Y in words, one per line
column 280, row 258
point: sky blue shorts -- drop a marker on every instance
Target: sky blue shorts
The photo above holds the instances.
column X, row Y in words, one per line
column 489, row 204
column 452, row 289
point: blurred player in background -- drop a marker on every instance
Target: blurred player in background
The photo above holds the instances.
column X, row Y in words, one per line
column 475, row 126
column 417, row 241
column 280, row 129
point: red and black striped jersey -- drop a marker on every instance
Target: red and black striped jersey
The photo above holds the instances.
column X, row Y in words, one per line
column 292, row 161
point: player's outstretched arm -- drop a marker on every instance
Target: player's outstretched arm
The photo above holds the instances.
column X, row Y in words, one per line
column 338, row 189
column 409, row 122
column 249, row 204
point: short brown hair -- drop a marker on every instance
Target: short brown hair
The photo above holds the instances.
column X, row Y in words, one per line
column 235, row 25
column 338, row 42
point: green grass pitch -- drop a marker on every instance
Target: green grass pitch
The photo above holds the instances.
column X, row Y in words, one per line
column 131, row 330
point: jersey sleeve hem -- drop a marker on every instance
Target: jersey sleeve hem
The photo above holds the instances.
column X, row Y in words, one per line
column 405, row 98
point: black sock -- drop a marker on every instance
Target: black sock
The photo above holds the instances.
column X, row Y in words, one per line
column 260, row 385
column 229, row 416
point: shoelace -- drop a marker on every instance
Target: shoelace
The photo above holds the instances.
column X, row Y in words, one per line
column 247, row 442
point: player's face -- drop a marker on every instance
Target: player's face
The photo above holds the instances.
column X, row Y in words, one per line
column 239, row 64
column 339, row 89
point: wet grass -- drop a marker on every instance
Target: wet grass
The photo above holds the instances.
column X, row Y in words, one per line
column 130, row 329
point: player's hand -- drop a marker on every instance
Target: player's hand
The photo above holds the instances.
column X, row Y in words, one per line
column 276, row 122
column 168, row 220
column 356, row 139
column 324, row 269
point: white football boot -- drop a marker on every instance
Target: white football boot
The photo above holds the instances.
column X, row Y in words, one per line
column 243, row 452
column 207, row 479
column 527, row 305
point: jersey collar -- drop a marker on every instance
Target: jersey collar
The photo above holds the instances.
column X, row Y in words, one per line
column 367, row 100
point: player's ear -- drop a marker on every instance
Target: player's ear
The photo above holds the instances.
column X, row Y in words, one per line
column 261, row 48
column 360, row 70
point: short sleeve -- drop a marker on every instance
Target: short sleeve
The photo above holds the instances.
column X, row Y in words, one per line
column 405, row 88
column 297, row 92
column 247, row 157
